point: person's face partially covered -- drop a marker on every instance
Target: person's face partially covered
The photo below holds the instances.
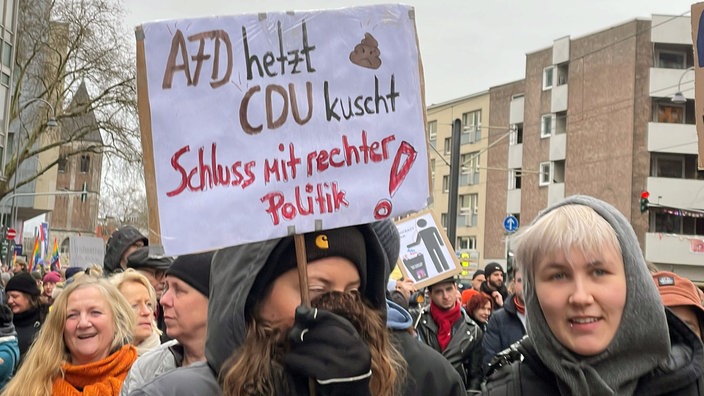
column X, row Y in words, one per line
column 324, row 275
column 582, row 300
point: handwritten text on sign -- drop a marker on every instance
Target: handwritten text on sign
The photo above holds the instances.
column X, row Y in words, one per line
column 263, row 122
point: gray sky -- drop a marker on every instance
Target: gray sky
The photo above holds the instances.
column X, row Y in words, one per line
column 467, row 46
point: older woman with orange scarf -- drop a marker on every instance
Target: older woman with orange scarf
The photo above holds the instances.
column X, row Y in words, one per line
column 84, row 346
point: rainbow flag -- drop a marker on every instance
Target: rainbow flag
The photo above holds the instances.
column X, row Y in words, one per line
column 34, row 258
column 55, row 262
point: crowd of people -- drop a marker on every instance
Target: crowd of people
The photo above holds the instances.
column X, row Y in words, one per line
column 581, row 313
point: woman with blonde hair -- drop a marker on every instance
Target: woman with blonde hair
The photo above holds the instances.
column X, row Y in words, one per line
column 141, row 295
column 83, row 347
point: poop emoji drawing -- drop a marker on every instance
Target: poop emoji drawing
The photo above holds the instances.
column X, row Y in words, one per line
column 367, row 53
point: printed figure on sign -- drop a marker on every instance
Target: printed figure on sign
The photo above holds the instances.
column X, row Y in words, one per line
column 415, row 262
column 433, row 243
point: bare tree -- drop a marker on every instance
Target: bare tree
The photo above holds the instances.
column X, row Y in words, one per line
column 62, row 44
column 124, row 198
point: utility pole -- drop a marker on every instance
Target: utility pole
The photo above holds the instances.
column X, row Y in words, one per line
column 454, row 181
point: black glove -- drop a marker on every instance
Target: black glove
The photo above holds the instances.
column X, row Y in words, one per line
column 326, row 347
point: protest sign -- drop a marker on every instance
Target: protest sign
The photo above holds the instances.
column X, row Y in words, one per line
column 698, row 40
column 426, row 255
column 85, row 251
column 259, row 126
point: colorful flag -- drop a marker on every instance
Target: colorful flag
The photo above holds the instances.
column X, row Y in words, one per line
column 34, row 258
column 55, row 262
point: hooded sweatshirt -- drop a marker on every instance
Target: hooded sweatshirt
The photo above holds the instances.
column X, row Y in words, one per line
column 640, row 344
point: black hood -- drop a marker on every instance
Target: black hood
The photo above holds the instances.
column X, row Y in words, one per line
column 235, row 269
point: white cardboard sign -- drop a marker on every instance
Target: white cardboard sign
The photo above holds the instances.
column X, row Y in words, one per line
column 268, row 124
column 426, row 256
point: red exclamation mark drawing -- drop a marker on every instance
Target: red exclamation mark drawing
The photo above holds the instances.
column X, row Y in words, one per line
column 399, row 171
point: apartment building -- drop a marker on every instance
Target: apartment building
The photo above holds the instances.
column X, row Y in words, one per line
column 595, row 115
column 473, row 112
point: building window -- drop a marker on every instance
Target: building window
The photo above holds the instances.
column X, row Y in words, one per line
column 671, row 59
column 443, row 220
column 669, row 113
column 671, row 166
column 447, row 146
column 545, row 174
column 548, row 74
column 469, row 203
column 514, row 179
column 85, row 163
column 547, row 125
column 467, row 243
column 6, row 54
column 433, row 133
column 516, row 135
column 5, row 79
column 62, row 164
column 471, row 127
column 445, row 183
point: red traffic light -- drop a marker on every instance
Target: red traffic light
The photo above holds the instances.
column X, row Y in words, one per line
column 645, row 195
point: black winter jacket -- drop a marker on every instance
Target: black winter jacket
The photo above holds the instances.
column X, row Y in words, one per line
column 504, row 329
column 681, row 375
column 464, row 351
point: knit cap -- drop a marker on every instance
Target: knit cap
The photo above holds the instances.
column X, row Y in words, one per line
column 477, row 273
column 23, row 282
column 347, row 242
column 491, row 268
column 676, row 290
column 193, row 269
column 71, row 271
column 52, row 277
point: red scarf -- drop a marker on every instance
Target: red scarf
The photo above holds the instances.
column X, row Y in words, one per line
column 101, row 378
column 520, row 306
column 444, row 319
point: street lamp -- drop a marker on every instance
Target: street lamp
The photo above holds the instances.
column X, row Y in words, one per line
column 51, row 122
column 678, row 97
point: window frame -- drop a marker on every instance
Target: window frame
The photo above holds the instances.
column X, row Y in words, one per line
column 548, row 77
column 545, row 178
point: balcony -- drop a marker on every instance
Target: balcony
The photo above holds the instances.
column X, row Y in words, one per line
column 672, row 138
column 559, row 98
column 558, row 147
column 677, row 193
column 674, row 249
column 664, row 82
column 516, row 110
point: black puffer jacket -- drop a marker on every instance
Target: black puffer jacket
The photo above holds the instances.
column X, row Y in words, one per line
column 464, row 351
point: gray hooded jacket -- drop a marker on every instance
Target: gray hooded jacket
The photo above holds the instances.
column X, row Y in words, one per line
column 640, row 350
column 232, row 275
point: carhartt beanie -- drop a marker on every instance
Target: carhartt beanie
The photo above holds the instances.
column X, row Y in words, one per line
column 23, row 282
column 193, row 269
column 346, row 242
column 387, row 232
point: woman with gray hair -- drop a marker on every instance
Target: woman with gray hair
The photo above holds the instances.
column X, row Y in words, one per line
column 595, row 322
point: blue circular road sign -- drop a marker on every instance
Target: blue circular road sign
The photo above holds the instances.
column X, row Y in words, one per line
column 510, row 223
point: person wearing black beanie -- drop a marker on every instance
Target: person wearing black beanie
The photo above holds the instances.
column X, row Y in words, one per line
column 23, row 299
column 185, row 307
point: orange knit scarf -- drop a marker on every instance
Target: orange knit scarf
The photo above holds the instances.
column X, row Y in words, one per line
column 101, row 378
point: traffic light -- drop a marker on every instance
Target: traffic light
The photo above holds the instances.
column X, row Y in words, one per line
column 644, row 203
